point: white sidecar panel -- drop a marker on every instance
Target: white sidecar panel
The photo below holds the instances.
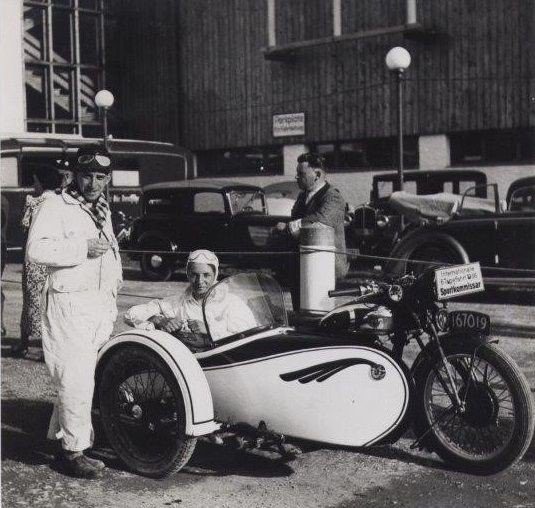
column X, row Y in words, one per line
column 345, row 395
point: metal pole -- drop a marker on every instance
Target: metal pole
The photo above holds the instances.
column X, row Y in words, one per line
column 399, row 80
column 105, row 126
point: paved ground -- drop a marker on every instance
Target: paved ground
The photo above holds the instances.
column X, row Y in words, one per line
column 218, row 477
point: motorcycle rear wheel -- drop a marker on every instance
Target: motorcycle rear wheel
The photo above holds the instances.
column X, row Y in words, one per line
column 142, row 412
column 496, row 427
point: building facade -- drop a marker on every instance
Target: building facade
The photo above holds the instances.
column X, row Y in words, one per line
column 249, row 84
column 262, row 80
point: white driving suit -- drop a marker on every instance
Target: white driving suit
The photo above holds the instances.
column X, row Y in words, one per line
column 78, row 310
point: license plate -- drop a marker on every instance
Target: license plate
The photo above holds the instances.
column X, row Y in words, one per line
column 469, row 321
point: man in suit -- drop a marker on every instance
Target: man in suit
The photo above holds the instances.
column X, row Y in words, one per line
column 318, row 202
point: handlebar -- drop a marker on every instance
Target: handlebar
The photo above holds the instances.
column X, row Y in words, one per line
column 373, row 286
column 363, row 289
column 345, row 292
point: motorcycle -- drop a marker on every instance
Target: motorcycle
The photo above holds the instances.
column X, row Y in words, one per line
column 341, row 380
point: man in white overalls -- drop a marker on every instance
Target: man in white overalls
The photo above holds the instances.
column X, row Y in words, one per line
column 72, row 235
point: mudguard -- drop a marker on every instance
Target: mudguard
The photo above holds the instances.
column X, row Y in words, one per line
column 430, row 348
column 184, row 366
column 404, row 249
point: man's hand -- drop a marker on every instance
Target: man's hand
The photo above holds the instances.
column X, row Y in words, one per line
column 280, row 227
column 170, row 325
column 96, row 247
column 196, row 326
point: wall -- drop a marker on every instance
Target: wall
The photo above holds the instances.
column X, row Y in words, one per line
column 475, row 73
column 142, row 69
column 12, row 101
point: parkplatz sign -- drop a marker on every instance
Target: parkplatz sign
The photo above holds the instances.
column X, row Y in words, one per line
column 292, row 124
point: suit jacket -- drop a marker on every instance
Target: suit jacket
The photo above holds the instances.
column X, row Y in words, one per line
column 328, row 207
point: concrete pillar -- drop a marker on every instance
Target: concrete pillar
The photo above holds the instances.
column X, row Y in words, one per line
column 434, row 151
column 12, row 100
column 316, row 268
column 290, row 154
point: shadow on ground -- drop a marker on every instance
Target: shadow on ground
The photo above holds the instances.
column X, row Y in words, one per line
column 24, row 426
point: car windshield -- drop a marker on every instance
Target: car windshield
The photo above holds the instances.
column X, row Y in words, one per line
column 249, row 201
column 243, row 304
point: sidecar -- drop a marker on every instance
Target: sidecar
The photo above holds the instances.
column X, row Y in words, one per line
column 156, row 395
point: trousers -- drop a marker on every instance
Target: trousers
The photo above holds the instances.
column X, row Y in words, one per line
column 75, row 326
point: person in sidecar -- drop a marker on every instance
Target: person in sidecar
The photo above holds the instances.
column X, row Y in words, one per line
column 182, row 314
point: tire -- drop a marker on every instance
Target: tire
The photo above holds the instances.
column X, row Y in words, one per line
column 496, row 428
column 157, row 267
column 142, row 412
column 435, row 254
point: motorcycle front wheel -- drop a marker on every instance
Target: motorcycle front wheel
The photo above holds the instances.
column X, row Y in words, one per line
column 494, row 428
column 142, row 412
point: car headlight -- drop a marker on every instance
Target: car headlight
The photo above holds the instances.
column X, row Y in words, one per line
column 395, row 293
column 382, row 221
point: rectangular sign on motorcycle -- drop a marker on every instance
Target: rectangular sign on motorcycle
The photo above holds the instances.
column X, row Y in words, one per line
column 458, row 280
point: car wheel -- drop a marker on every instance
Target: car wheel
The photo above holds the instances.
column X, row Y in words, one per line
column 432, row 255
column 156, row 265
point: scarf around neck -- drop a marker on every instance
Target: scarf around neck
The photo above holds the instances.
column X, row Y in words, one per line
column 98, row 210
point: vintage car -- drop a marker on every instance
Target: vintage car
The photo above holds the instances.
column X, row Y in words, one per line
column 376, row 227
column 221, row 216
column 498, row 234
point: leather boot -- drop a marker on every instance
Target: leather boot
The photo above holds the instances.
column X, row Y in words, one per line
column 78, row 465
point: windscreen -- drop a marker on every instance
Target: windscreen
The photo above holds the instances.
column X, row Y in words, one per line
column 247, row 202
column 243, row 304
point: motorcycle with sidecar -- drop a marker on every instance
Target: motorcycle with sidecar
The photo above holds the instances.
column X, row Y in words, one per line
column 340, row 380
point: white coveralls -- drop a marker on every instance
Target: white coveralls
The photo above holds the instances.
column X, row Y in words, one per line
column 78, row 310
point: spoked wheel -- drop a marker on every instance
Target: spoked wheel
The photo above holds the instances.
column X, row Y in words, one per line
column 494, row 428
column 142, row 412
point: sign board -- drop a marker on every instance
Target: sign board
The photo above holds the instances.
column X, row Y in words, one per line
column 458, row 280
column 292, row 124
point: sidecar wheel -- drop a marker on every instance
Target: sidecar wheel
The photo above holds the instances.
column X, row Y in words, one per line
column 496, row 427
column 142, row 412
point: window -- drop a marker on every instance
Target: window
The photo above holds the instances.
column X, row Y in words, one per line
column 166, row 201
column 63, row 55
column 9, row 174
column 241, row 161
column 367, row 153
column 208, row 202
column 492, row 146
column 123, row 178
column 523, row 199
column 247, row 202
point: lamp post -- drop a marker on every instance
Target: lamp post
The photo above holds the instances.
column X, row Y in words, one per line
column 104, row 100
column 397, row 60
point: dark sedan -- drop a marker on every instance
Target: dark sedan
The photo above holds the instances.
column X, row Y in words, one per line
column 216, row 215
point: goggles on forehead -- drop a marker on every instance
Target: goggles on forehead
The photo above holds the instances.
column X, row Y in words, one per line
column 203, row 256
column 102, row 160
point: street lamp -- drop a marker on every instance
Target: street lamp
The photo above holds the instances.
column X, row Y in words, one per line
column 104, row 100
column 397, row 60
